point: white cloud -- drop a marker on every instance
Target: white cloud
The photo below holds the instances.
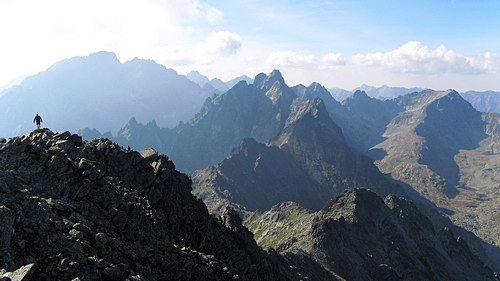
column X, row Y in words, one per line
column 292, row 59
column 206, row 11
column 333, row 60
column 223, row 43
column 413, row 57
column 218, row 44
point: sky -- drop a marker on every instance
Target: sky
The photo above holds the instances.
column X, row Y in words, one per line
column 439, row 44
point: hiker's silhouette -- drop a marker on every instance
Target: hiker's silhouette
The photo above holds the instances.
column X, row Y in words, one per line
column 38, row 120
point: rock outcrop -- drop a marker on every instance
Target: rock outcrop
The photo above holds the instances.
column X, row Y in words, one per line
column 95, row 211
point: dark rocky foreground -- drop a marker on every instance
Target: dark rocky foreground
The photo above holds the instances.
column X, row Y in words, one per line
column 95, row 211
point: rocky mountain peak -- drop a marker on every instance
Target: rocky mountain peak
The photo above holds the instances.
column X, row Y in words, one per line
column 358, row 95
column 354, row 204
column 266, row 82
column 317, row 87
column 132, row 122
column 246, row 144
column 198, row 78
column 388, row 240
column 452, row 98
column 95, row 62
column 314, row 108
column 103, row 57
column 276, row 76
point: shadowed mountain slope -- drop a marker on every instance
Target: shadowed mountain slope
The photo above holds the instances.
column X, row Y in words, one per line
column 358, row 236
column 307, row 162
column 446, row 150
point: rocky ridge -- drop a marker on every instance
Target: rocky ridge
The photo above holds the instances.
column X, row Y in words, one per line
column 359, row 236
column 95, row 211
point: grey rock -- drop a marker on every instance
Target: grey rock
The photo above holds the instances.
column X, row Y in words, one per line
column 84, row 164
column 149, row 155
column 63, row 135
column 24, row 273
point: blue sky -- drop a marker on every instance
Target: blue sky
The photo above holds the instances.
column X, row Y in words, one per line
column 436, row 44
column 362, row 26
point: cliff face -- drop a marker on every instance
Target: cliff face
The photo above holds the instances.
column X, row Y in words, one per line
column 93, row 210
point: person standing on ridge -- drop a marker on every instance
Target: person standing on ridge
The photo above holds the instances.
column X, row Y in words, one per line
column 38, row 120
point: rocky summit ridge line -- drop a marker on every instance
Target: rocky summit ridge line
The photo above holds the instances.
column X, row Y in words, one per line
column 95, row 211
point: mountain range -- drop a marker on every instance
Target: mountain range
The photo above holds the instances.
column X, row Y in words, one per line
column 487, row 101
column 91, row 210
column 99, row 91
column 216, row 83
column 298, row 143
column 382, row 93
column 306, row 173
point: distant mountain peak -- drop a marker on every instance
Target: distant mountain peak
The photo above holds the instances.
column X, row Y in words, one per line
column 198, row 78
column 358, row 95
column 132, row 122
column 266, row 82
column 453, row 93
column 365, row 88
column 103, row 55
column 314, row 85
column 236, row 80
column 276, row 73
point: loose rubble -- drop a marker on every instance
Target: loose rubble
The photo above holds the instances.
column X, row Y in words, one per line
column 91, row 210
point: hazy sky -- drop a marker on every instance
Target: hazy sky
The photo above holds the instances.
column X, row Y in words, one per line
column 427, row 43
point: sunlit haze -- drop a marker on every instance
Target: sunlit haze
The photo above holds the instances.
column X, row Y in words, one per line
column 342, row 44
